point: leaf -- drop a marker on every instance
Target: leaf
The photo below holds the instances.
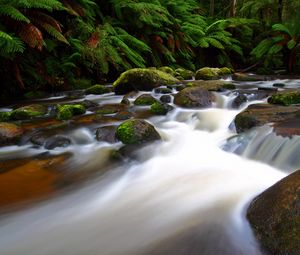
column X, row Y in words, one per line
column 291, row 44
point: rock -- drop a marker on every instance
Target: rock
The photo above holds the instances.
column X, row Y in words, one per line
column 106, row 134
column 194, row 97
column 97, row 90
column 163, row 91
column 4, row 116
column 212, row 85
column 125, row 101
column 145, row 99
column 279, row 85
column 88, row 104
column 165, row 99
column 9, row 133
column 57, row 141
column 160, row 109
column 274, row 216
column 261, row 114
column 247, row 77
column 28, row 112
column 136, row 131
column 184, row 74
column 210, row 73
column 238, row 101
column 286, row 97
column 167, row 69
column 67, row 111
column 142, row 79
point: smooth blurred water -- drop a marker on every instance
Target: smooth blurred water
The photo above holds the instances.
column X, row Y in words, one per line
column 185, row 195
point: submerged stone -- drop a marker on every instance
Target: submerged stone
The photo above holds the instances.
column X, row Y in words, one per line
column 10, row 133
column 142, row 79
column 275, row 216
column 136, row 131
column 29, row 111
column 145, row 99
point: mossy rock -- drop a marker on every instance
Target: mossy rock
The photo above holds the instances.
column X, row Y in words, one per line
column 163, row 90
column 10, row 133
column 184, row 73
column 144, row 99
column 67, row 111
column 160, row 108
column 244, row 122
column 5, row 116
column 97, row 90
column 167, row 69
column 136, row 131
column 247, row 77
column 194, row 97
column 142, row 79
column 212, row 85
column 274, row 216
column 225, row 71
column 28, row 112
column 165, row 99
column 208, row 73
column 285, row 97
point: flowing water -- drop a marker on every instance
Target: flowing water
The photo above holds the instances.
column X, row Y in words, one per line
column 185, row 195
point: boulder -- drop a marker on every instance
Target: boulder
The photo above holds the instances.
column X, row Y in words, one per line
column 165, row 99
column 283, row 119
column 67, row 111
column 136, row 131
column 184, row 74
column 286, row 97
column 9, row 133
column 28, row 112
column 4, row 116
column 142, row 79
column 212, row 85
column 210, row 73
column 194, row 97
column 239, row 100
column 274, row 216
column 145, row 99
column 167, row 69
column 57, row 141
column 163, row 90
column 160, row 108
column 97, row 90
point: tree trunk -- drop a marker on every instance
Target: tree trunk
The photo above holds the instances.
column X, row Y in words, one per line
column 212, row 8
column 280, row 10
column 233, row 8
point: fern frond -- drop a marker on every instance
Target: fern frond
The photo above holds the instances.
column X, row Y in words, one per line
column 32, row 36
column 12, row 12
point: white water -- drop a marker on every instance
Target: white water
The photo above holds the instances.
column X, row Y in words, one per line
column 186, row 196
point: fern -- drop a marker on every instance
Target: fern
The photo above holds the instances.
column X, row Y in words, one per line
column 12, row 12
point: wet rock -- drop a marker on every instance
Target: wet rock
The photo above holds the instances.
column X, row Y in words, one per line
column 213, row 85
column 145, row 99
column 210, row 73
column 67, row 111
column 97, row 90
column 167, row 69
column 261, row 114
column 163, row 91
column 10, row 133
column 248, row 77
column 160, row 109
column 275, row 216
column 238, row 101
column 184, row 74
column 165, row 99
column 136, row 131
column 88, row 104
column 57, row 141
column 106, row 134
column 194, row 97
column 286, row 97
column 279, row 85
column 142, row 79
column 125, row 101
column 28, row 112
column 5, row 116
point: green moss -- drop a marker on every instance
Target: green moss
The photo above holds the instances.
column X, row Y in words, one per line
column 207, row 73
column 144, row 100
column 97, row 89
column 185, row 74
column 159, row 108
column 67, row 111
column 167, row 69
column 5, row 116
column 126, row 133
column 142, row 79
column 286, row 98
column 28, row 112
column 245, row 122
column 225, row 70
column 228, row 86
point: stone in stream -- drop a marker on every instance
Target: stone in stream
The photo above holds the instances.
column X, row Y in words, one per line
column 136, row 131
column 160, row 108
column 144, row 99
column 10, row 133
column 212, row 85
column 106, row 134
column 142, row 79
column 28, row 111
column 194, row 97
column 184, row 74
column 97, row 90
column 274, row 216
column 67, row 111
column 238, row 101
column 57, row 141
column 286, row 97
column 210, row 73
column 165, row 99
